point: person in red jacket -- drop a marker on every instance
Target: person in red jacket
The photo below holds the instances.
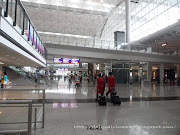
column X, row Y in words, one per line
column 111, row 83
column 99, row 86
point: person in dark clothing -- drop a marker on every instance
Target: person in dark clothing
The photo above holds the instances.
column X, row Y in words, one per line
column 106, row 79
column 80, row 78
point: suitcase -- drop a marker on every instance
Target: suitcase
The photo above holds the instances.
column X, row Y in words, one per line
column 116, row 100
column 77, row 83
column 102, row 101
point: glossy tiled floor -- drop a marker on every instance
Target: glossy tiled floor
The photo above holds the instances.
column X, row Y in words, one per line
column 63, row 90
column 63, row 119
column 65, row 112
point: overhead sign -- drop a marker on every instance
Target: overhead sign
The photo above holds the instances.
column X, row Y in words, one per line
column 66, row 60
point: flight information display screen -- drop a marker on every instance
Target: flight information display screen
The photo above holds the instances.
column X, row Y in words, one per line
column 66, row 60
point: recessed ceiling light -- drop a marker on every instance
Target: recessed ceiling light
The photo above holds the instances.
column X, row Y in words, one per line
column 164, row 44
column 1, row 63
column 91, row 3
column 74, row 6
column 76, row 1
column 41, row 2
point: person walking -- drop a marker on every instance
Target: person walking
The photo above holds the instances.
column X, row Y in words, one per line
column 111, row 83
column 99, row 87
column 104, row 83
column 2, row 81
column 5, row 79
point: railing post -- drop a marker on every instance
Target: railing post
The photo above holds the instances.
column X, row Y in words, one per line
column 85, row 43
column 33, row 36
column 29, row 118
column 177, row 52
column 44, row 100
column 23, row 21
column 35, row 118
column 29, row 31
column 170, row 51
column 15, row 12
column 101, row 43
column 7, row 5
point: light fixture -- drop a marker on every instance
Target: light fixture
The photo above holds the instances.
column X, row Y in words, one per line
column 1, row 63
column 164, row 44
column 90, row 8
column 108, row 5
column 58, row 4
column 92, row 3
column 41, row 2
column 74, row 6
column 76, row 1
column 66, row 35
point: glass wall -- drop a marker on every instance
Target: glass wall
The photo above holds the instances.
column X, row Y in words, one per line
column 115, row 22
column 126, row 72
column 149, row 16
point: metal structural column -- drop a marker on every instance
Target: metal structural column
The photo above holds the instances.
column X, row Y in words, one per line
column 90, row 68
column 161, row 73
column 80, row 64
column 128, row 21
column 149, row 71
column 178, row 70
column 1, row 72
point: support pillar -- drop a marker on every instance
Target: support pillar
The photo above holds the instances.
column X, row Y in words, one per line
column 161, row 73
column 128, row 20
column 149, row 71
column 178, row 70
column 80, row 64
column 149, row 50
column 1, row 72
column 90, row 68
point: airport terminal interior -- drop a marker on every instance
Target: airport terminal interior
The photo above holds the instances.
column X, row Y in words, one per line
column 89, row 67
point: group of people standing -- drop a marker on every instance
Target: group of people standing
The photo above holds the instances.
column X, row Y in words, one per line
column 101, row 83
column 4, row 80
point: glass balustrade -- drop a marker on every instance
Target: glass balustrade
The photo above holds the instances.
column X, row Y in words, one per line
column 15, row 10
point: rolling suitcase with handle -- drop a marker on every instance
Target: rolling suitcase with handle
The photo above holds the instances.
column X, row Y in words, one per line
column 116, row 100
column 102, row 101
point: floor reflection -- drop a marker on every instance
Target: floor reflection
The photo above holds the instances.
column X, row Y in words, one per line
column 65, row 105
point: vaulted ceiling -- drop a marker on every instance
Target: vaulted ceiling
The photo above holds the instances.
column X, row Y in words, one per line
column 68, row 18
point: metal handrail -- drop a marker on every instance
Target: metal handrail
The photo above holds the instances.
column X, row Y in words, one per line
column 25, row 16
column 116, row 45
column 29, row 102
column 43, row 100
